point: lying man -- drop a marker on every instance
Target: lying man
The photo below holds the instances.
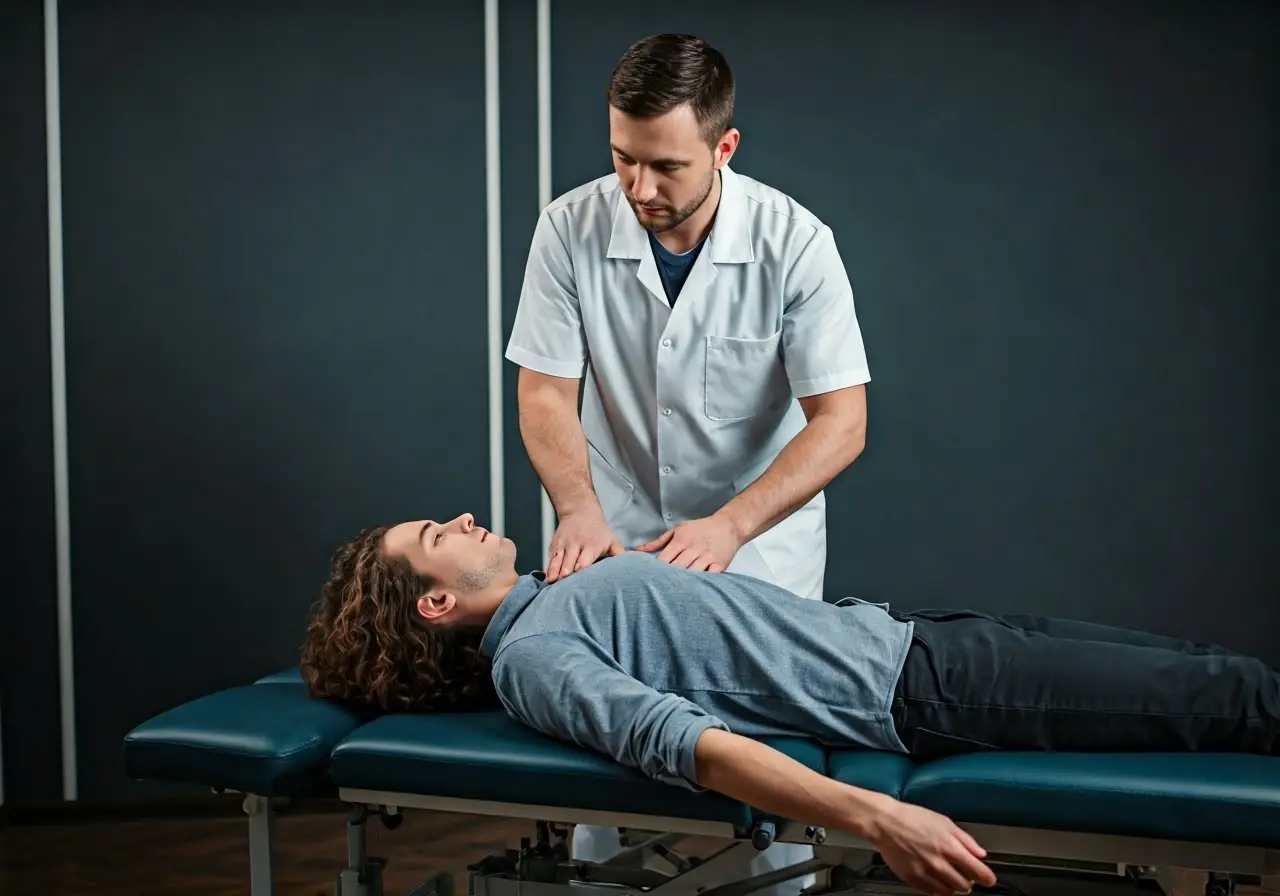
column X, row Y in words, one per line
column 675, row 673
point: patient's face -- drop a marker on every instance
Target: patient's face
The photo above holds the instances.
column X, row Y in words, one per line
column 461, row 557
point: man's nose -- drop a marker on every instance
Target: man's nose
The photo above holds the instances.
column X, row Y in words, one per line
column 466, row 522
column 643, row 188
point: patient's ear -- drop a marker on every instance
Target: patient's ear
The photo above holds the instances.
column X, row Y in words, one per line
column 434, row 606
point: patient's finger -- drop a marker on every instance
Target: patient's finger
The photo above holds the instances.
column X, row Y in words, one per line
column 926, row 882
column 952, row 881
column 969, row 843
column 970, row 867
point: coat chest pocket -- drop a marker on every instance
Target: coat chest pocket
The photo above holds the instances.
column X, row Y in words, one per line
column 744, row 376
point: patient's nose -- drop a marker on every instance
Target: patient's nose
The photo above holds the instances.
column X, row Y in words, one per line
column 466, row 522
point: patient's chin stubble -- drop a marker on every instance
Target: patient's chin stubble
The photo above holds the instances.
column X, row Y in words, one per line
column 478, row 579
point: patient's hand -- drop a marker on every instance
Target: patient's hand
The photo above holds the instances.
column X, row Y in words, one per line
column 930, row 852
column 582, row 538
column 708, row 544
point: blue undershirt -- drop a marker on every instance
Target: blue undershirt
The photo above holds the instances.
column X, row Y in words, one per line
column 672, row 268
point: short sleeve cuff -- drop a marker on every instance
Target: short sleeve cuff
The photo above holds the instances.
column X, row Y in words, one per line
column 687, row 762
column 830, row 382
column 549, row 366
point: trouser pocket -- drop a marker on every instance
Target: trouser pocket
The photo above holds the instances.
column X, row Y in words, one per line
column 927, row 744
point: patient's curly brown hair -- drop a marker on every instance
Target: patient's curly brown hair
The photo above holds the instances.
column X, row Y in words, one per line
column 368, row 648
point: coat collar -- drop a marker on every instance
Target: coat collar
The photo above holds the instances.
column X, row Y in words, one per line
column 729, row 241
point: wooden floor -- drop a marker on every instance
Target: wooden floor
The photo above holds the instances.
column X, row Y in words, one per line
column 209, row 857
column 202, row 856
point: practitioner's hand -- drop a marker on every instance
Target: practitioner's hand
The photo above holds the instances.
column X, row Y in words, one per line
column 582, row 538
column 707, row 544
column 929, row 852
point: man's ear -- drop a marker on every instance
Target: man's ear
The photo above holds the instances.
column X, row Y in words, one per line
column 726, row 147
column 435, row 606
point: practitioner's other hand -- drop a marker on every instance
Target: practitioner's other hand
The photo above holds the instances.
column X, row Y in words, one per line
column 707, row 544
column 930, row 852
column 582, row 538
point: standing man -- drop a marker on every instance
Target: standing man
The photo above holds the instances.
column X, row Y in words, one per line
column 715, row 318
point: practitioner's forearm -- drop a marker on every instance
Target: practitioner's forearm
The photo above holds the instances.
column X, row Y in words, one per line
column 832, row 439
column 554, row 440
column 771, row 781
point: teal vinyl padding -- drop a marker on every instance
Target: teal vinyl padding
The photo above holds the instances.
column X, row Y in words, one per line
column 488, row 756
column 871, row 770
column 292, row 675
column 269, row 739
column 1206, row 797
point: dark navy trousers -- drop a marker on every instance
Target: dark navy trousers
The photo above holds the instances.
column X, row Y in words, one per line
column 974, row 682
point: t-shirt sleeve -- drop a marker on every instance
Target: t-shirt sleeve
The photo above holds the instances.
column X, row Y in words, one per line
column 821, row 340
column 564, row 687
column 547, row 335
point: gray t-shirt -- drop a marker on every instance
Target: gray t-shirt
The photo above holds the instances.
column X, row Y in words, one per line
column 633, row 658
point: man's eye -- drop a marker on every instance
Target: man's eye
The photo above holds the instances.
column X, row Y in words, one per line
column 436, row 539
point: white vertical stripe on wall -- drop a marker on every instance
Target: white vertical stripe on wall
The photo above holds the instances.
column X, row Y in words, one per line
column 493, row 215
column 544, row 193
column 57, row 342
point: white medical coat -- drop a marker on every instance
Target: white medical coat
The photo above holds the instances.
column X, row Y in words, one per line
column 685, row 406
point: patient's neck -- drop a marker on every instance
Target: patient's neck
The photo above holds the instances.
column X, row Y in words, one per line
column 480, row 606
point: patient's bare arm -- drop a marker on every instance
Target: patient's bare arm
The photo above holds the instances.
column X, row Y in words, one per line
column 771, row 781
column 927, row 850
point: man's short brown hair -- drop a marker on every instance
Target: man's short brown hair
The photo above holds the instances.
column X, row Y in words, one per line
column 665, row 71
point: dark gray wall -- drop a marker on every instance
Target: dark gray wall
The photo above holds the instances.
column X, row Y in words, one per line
column 1059, row 223
column 275, row 257
column 28, row 609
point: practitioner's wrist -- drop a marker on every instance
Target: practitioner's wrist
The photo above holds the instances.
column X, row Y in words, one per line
column 732, row 518
column 584, row 503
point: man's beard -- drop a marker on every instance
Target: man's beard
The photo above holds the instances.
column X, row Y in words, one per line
column 674, row 218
